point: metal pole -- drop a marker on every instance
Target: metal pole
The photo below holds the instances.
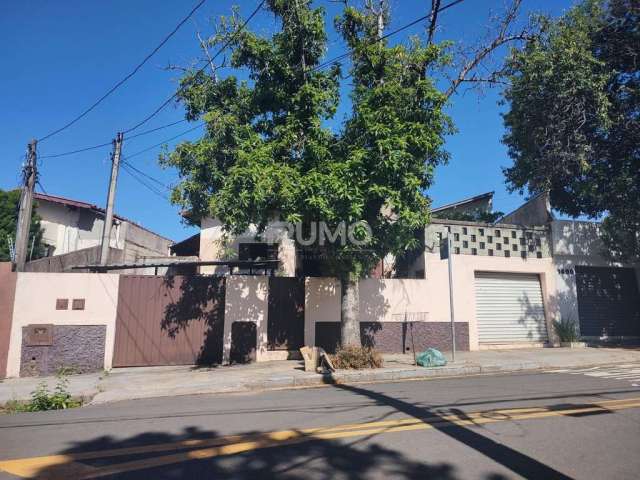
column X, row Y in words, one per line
column 453, row 325
column 108, row 219
column 26, row 204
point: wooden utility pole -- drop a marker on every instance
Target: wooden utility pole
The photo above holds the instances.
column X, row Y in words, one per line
column 29, row 173
column 108, row 219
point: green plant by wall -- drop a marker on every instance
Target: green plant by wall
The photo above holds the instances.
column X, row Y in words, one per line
column 567, row 330
column 42, row 399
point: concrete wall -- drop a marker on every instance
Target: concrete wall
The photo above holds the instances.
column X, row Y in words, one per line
column 464, row 268
column 246, row 301
column 35, row 303
column 536, row 211
column 65, row 262
column 576, row 243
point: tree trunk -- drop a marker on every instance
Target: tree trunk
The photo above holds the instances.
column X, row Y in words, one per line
column 350, row 311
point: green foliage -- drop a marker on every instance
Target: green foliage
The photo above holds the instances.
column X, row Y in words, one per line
column 42, row 399
column 353, row 357
column 567, row 329
column 268, row 155
column 573, row 122
column 9, row 206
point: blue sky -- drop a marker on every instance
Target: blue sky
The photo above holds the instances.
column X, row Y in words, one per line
column 59, row 57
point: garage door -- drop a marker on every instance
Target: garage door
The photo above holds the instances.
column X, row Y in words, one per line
column 509, row 308
column 608, row 301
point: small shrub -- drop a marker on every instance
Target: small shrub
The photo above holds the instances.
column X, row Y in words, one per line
column 567, row 329
column 356, row 358
column 42, row 399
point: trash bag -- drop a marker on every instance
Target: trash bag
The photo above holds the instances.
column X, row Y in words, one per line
column 431, row 358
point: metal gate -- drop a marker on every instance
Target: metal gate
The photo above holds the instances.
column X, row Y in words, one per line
column 509, row 308
column 608, row 301
column 285, row 328
column 169, row 320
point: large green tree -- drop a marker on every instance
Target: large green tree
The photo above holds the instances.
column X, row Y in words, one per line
column 9, row 206
column 573, row 124
column 269, row 153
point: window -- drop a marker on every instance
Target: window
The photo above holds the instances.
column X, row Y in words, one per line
column 539, row 255
column 490, row 252
column 523, row 254
column 498, row 247
column 464, row 230
column 456, row 237
column 522, row 241
column 473, row 238
column 506, row 240
column 531, row 248
column 62, row 303
column 490, row 239
column 538, row 242
column 513, row 234
column 465, row 244
column 507, row 253
column 497, row 232
column 474, row 251
column 482, row 245
column 515, row 247
column 529, row 235
column 481, row 232
column 258, row 251
column 456, row 250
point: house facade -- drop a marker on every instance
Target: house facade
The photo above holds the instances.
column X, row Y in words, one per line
column 72, row 233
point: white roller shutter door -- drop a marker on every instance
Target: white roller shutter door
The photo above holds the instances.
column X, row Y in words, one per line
column 509, row 308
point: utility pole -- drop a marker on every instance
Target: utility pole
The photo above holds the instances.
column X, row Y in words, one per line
column 29, row 173
column 108, row 219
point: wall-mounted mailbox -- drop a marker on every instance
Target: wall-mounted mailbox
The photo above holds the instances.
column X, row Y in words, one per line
column 62, row 304
column 78, row 304
column 39, row 335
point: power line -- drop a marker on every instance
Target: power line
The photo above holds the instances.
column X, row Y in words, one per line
column 202, row 69
column 140, row 152
column 106, row 144
column 133, row 72
column 151, row 188
column 144, row 174
column 393, row 32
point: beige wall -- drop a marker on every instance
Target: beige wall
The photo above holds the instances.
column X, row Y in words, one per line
column 389, row 300
column 35, row 302
column 246, row 300
column 464, row 268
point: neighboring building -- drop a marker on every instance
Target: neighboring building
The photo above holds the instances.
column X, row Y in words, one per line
column 71, row 226
column 475, row 205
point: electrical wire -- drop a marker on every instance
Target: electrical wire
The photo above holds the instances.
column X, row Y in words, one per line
column 127, row 77
column 106, row 144
column 140, row 152
column 144, row 174
column 150, row 187
column 383, row 37
column 202, row 69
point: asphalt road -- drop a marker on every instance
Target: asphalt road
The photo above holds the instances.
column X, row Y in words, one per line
column 542, row 425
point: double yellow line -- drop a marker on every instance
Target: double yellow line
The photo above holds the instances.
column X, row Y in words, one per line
column 70, row 465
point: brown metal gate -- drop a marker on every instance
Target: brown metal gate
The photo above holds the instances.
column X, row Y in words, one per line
column 169, row 320
column 285, row 329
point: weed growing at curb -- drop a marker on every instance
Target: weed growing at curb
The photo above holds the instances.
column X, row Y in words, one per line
column 42, row 399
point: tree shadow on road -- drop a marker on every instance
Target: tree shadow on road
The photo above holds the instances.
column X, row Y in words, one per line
column 517, row 462
column 200, row 454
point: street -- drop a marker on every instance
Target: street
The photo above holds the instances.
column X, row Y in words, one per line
column 536, row 425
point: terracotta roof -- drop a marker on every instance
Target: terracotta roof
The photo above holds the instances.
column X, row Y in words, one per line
column 89, row 206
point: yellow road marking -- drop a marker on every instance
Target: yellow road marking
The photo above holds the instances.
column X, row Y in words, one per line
column 67, row 466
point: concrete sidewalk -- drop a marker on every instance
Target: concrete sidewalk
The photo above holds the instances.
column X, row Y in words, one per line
column 135, row 383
